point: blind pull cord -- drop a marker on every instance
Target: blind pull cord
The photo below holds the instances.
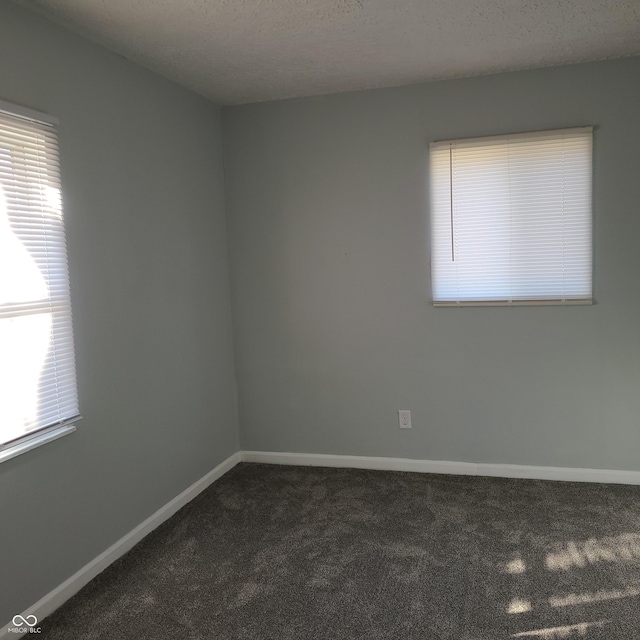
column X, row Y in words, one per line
column 453, row 255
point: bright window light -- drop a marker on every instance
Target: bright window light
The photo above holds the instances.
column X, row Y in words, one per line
column 37, row 365
column 511, row 219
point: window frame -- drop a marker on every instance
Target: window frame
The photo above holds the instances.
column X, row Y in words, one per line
column 49, row 433
column 525, row 136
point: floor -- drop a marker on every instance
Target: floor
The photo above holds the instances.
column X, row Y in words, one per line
column 274, row 552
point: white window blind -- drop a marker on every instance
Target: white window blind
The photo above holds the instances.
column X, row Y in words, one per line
column 511, row 219
column 37, row 367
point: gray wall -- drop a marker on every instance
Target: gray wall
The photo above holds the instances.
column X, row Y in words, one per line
column 329, row 245
column 143, row 190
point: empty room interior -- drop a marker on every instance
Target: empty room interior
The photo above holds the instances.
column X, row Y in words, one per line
column 320, row 319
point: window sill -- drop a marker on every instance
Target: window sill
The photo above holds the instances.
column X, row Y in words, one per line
column 37, row 441
column 515, row 303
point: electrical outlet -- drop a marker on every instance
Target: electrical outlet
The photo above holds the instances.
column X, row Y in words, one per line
column 404, row 419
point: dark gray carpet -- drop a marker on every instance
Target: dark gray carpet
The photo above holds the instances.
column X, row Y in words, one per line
column 271, row 552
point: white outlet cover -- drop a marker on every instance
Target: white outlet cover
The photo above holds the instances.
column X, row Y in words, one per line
column 404, row 419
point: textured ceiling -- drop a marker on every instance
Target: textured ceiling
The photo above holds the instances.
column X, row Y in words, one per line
column 238, row 51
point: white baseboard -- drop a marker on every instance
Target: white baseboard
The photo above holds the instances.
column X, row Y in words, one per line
column 54, row 599
column 569, row 474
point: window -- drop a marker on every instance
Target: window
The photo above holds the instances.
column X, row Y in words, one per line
column 511, row 219
column 38, row 397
